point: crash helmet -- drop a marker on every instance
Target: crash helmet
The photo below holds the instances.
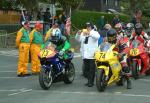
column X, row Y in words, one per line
column 129, row 29
column 138, row 28
column 118, row 26
column 56, row 35
column 111, row 36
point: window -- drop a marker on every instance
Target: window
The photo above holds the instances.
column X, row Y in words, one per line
column 105, row 2
column 116, row 2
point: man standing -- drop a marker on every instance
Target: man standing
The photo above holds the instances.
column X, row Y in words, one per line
column 47, row 20
column 36, row 40
column 23, row 43
column 101, row 23
column 90, row 43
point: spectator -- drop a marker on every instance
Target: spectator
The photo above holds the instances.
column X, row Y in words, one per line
column 39, row 15
column 47, row 20
column 137, row 17
column 89, row 43
column 116, row 20
column 103, row 33
column 62, row 18
column 101, row 22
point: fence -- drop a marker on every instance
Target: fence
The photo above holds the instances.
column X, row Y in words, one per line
column 7, row 39
column 8, row 34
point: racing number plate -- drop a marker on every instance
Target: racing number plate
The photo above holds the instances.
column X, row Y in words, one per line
column 102, row 56
column 134, row 52
column 45, row 53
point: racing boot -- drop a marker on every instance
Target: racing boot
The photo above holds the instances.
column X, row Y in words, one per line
column 128, row 83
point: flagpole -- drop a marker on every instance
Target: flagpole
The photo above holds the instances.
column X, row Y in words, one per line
column 23, row 14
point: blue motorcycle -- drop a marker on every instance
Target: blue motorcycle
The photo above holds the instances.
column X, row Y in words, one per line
column 54, row 68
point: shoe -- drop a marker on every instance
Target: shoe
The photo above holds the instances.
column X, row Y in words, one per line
column 20, row 75
column 129, row 84
column 36, row 73
column 90, row 85
column 86, row 84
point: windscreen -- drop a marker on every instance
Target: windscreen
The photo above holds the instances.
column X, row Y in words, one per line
column 135, row 43
column 104, row 47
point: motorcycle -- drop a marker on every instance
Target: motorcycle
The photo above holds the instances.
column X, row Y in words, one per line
column 135, row 54
column 108, row 66
column 54, row 68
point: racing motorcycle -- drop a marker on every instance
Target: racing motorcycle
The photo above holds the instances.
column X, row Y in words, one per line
column 136, row 65
column 54, row 68
column 108, row 66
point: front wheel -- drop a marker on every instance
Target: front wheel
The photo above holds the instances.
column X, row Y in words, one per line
column 69, row 74
column 45, row 79
column 101, row 80
column 135, row 70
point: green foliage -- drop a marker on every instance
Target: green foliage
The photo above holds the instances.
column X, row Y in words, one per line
column 130, row 6
column 79, row 18
column 67, row 4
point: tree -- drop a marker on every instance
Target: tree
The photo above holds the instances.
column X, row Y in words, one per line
column 67, row 4
column 132, row 5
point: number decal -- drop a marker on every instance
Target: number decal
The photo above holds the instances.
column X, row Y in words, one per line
column 45, row 53
column 102, row 55
column 134, row 52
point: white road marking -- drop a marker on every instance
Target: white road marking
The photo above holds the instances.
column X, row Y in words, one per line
column 132, row 95
column 14, row 53
column 22, row 91
column 97, row 93
column 7, row 71
column 12, row 90
column 145, row 80
column 12, row 77
column 8, row 66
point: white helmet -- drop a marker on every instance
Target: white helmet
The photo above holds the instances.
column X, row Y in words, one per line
column 130, row 25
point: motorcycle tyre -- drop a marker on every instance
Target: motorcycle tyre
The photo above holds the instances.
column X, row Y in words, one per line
column 135, row 74
column 43, row 82
column 100, row 80
column 67, row 79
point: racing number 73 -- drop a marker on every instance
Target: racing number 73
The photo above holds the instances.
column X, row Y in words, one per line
column 45, row 53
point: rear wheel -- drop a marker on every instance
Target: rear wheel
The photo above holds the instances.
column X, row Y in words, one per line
column 101, row 80
column 69, row 74
column 135, row 70
column 45, row 79
column 147, row 72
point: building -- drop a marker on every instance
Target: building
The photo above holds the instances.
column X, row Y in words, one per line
column 101, row 5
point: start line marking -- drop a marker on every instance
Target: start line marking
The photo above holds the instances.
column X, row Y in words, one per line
column 97, row 93
column 14, row 53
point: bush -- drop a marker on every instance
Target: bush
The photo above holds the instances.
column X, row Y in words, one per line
column 79, row 18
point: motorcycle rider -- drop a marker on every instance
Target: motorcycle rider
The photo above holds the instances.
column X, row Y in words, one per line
column 61, row 42
column 141, row 36
column 129, row 29
column 36, row 40
column 119, row 30
column 122, row 46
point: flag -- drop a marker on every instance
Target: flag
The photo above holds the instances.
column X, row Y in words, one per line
column 68, row 26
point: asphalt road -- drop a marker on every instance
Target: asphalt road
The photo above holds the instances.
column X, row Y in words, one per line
column 15, row 89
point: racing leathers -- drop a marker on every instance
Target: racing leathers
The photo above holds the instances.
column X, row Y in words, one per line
column 142, row 38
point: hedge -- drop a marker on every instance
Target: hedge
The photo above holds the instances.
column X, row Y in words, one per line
column 79, row 18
